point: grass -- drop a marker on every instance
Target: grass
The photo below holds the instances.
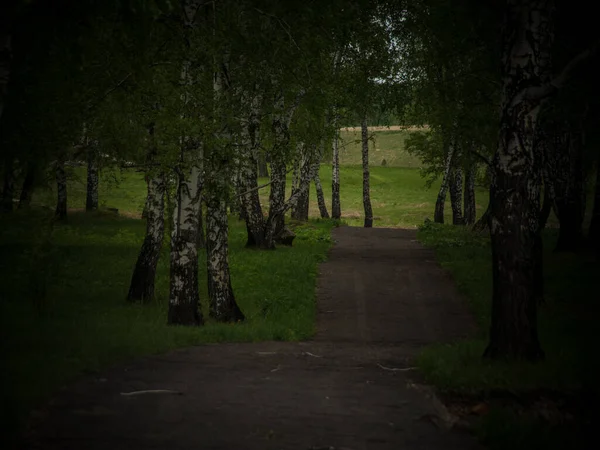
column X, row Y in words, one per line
column 566, row 329
column 386, row 145
column 63, row 309
column 398, row 196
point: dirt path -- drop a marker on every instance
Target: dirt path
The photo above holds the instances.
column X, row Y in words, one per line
column 381, row 297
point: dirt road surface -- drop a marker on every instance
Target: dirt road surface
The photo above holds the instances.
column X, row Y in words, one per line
column 381, row 297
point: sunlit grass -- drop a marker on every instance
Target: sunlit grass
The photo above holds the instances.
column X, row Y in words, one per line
column 385, row 145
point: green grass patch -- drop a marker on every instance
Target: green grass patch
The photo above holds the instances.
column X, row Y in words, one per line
column 386, row 145
column 566, row 330
column 398, row 196
column 63, row 310
column 566, row 320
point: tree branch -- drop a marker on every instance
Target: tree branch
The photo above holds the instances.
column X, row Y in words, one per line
column 109, row 91
column 281, row 24
column 483, row 158
column 258, row 188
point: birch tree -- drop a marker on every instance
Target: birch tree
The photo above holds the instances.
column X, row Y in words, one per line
column 469, row 195
column 515, row 192
column 366, row 185
column 144, row 274
column 184, row 295
column 456, row 190
column 440, row 202
column 336, row 208
column 219, row 169
column 302, row 172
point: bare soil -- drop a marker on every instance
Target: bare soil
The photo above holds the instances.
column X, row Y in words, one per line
column 381, row 297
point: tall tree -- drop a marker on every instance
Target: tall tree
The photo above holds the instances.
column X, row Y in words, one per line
column 469, row 196
column 336, row 209
column 320, row 197
column 223, row 306
column 438, row 215
column 302, row 172
column 249, row 154
column 514, row 192
column 144, row 273
column 366, row 191
column 184, row 297
column 91, row 199
column 456, row 189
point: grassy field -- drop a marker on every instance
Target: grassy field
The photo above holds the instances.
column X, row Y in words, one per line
column 567, row 332
column 63, row 309
column 386, row 145
column 398, row 195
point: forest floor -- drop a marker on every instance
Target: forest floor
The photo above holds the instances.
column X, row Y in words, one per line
column 381, row 297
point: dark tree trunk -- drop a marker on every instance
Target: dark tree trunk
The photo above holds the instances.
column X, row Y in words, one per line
column 276, row 197
column 296, row 180
column 27, row 188
column 300, row 209
column 184, row 297
column 91, row 199
column 366, row 177
column 546, row 208
column 263, row 172
column 514, row 192
column 594, row 232
column 201, row 241
column 142, row 281
column 275, row 224
column 484, row 221
column 223, row 306
column 321, row 197
column 438, row 215
column 456, row 189
column 250, row 200
column 8, row 188
column 469, row 196
column 569, row 190
column 61, row 189
column 336, row 209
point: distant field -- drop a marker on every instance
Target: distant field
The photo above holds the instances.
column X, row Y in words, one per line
column 387, row 144
column 388, row 128
column 398, row 196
